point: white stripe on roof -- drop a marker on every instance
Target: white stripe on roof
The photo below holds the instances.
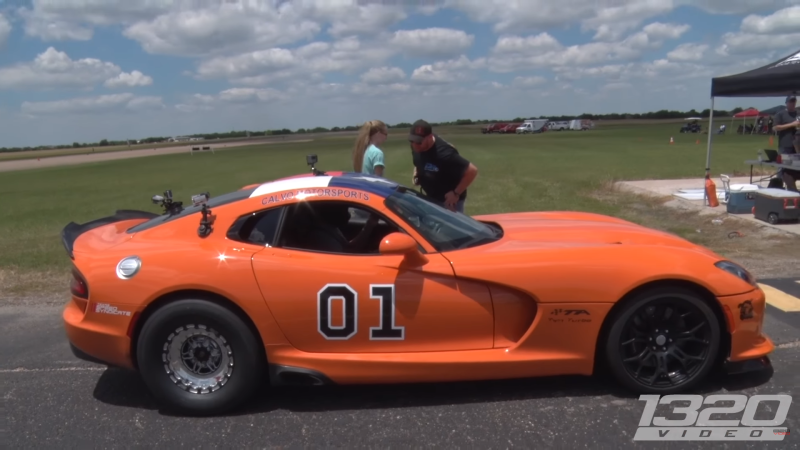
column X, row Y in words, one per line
column 292, row 183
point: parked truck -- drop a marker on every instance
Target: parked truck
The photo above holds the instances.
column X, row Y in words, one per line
column 532, row 126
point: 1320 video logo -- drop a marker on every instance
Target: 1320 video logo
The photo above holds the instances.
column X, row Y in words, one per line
column 697, row 424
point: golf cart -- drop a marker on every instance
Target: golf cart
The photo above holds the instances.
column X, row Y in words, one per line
column 692, row 125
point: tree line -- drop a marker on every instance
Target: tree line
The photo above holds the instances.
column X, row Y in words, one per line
column 662, row 114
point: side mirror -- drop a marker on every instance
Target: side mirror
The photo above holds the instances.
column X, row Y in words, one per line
column 402, row 244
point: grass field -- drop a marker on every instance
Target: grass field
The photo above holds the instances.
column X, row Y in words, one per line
column 550, row 171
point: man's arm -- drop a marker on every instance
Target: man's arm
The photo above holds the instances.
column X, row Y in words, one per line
column 467, row 179
column 468, row 171
column 783, row 122
column 785, row 126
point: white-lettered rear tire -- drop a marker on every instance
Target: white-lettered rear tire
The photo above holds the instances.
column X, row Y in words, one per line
column 199, row 358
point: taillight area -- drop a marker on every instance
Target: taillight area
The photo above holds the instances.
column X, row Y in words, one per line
column 790, row 203
column 78, row 286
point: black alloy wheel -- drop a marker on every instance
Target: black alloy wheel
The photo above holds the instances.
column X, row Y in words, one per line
column 664, row 341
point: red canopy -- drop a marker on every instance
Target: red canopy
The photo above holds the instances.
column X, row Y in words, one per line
column 751, row 112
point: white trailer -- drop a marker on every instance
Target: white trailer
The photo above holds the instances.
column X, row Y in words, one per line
column 558, row 126
column 532, row 126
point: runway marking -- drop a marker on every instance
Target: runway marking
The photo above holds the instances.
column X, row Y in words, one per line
column 780, row 299
column 53, row 369
column 794, row 344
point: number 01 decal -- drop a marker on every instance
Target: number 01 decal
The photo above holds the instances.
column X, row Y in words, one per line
column 384, row 293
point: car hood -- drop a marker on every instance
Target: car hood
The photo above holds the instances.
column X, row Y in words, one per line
column 527, row 231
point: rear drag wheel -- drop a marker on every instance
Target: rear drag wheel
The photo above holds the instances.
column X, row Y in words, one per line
column 199, row 358
column 664, row 341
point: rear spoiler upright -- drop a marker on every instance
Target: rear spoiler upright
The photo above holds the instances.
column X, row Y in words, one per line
column 72, row 231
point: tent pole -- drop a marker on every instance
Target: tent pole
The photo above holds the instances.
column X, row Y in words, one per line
column 710, row 132
column 706, row 200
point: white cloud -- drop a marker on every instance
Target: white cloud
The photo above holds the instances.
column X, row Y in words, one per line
column 383, row 75
column 513, row 53
column 232, row 96
column 539, row 43
column 348, row 56
column 250, row 94
column 737, row 6
column 350, row 19
column 688, row 52
column 777, row 31
column 207, row 28
column 610, row 18
column 529, row 81
column 54, row 69
column 5, row 30
column 231, row 27
column 658, row 31
column 132, row 79
column 447, row 72
column 93, row 105
column 385, row 91
column 432, row 42
column 784, row 21
column 49, row 27
column 612, row 22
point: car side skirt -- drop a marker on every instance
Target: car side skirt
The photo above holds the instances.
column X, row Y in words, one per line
column 379, row 368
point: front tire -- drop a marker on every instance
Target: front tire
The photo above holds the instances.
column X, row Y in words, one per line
column 199, row 358
column 664, row 341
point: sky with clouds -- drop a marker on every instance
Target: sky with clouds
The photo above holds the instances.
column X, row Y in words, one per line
column 85, row 70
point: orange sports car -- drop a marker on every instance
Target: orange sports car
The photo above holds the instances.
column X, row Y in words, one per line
column 344, row 278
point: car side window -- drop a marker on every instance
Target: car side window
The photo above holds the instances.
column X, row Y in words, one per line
column 258, row 228
column 333, row 227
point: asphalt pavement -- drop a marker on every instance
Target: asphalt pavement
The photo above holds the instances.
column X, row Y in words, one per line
column 52, row 400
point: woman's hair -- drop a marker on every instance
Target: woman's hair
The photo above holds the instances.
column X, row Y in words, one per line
column 362, row 141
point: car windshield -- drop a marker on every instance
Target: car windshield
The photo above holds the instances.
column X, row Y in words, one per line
column 444, row 229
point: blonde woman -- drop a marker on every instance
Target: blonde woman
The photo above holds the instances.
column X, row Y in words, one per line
column 367, row 156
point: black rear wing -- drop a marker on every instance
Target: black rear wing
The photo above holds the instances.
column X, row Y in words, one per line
column 72, row 231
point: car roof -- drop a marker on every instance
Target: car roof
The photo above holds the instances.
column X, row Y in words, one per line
column 342, row 180
column 332, row 180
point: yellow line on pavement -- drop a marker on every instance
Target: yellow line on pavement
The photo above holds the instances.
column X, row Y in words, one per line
column 780, row 299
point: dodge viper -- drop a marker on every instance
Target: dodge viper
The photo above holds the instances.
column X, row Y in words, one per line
column 341, row 278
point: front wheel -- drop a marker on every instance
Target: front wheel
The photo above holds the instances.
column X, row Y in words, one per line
column 664, row 341
column 199, row 358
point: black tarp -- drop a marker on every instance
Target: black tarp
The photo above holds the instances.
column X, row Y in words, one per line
column 776, row 79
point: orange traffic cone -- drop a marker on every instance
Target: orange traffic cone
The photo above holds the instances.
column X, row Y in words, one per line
column 711, row 192
column 697, row 141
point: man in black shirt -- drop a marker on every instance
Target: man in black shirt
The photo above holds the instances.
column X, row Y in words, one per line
column 786, row 124
column 443, row 174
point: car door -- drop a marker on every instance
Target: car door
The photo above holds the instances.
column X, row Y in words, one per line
column 337, row 302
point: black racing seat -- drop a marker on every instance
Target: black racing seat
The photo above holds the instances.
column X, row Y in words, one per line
column 324, row 238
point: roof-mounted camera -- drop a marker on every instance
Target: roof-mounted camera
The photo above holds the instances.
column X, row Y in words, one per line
column 170, row 206
column 207, row 221
column 311, row 160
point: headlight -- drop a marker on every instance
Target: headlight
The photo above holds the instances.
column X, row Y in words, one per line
column 737, row 270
